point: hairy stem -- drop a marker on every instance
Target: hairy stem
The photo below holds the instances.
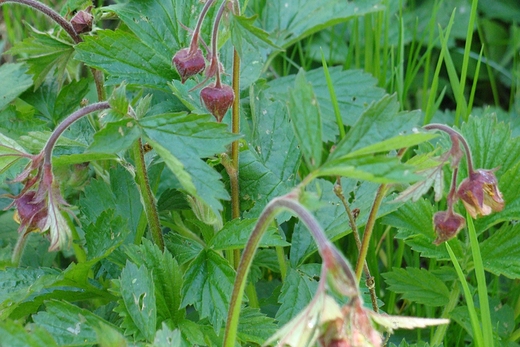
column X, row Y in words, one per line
column 49, row 12
column 149, row 203
column 338, row 190
column 214, row 44
column 67, row 122
column 196, row 33
column 448, row 130
column 331, row 257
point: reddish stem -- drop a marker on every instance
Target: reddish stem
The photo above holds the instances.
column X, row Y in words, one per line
column 214, row 43
column 49, row 12
column 450, row 132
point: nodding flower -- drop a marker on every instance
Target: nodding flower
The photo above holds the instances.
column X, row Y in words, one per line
column 479, row 193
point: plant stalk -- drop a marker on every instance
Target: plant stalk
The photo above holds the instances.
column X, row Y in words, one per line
column 19, row 247
column 149, row 203
column 49, row 12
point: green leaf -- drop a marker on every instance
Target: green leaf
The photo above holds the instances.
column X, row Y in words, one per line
column 182, row 248
column 46, row 54
column 235, row 234
column 379, row 169
column 181, row 140
column 115, row 137
column 72, row 159
column 138, row 295
column 125, row 58
column 414, row 223
column 501, row 252
column 120, row 194
column 158, row 23
column 297, row 291
column 355, row 91
column 69, row 324
column 242, row 29
column 380, row 122
column 18, row 284
column 165, row 337
column 291, row 21
column 14, row 82
column 306, row 120
column 167, row 278
column 254, row 326
column 331, row 213
column 418, row 285
column 268, row 169
column 10, row 152
column 14, row 335
column 118, row 100
column 106, row 234
column 208, row 283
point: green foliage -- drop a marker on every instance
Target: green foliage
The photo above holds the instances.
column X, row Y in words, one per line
column 156, row 165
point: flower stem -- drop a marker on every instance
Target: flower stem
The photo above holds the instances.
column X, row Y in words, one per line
column 450, row 131
column 330, row 255
column 49, row 12
column 338, row 190
column 19, row 247
column 147, row 195
column 214, row 43
column 51, row 142
column 194, row 44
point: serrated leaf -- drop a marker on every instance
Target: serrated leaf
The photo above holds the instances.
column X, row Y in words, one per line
column 414, row 222
column 81, row 158
column 208, row 283
column 14, row 335
column 14, row 82
column 69, row 324
column 181, row 140
column 242, row 29
column 379, row 123
column 501, row 251
column 418, row 285
column 125, row 58
column 355, row 91
column 268, row 169
column 106, row 234
column 306, row 120
column 138, row 294
column 118, row 101
column 182, row 248
column 115, row 137
column 165, row 337
column 292, row 21
column 254, row 326
column 235, row 234
column 16, row 284
column 297, row 291
column 167, row 278
column 120, row 194
column 45, row 54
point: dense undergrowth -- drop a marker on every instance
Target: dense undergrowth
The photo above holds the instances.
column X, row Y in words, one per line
column 185, row 172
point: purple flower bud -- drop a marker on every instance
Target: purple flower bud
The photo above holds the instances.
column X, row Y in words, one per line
column 188, row 63
column 479, row 193
column 447, row 225
column 31, row 212
column 217, row 99
column 82, row 21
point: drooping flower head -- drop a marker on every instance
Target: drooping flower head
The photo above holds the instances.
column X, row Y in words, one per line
column 447, row 225
column 480, row 194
